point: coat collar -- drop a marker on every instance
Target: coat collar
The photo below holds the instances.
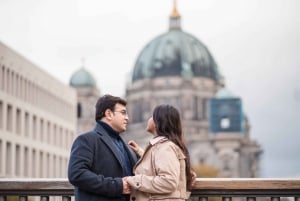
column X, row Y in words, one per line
column 105, row 137
column 157, row 139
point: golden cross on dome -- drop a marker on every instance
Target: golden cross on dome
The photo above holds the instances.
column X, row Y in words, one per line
column 175, row 12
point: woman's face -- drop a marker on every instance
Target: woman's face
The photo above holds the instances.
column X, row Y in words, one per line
column 151, row 126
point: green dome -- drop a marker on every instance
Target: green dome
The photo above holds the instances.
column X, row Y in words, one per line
column 82, row 78
column 224, row 93
column 175, row 53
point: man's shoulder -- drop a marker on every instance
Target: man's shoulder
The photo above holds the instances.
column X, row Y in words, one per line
column 93, row 133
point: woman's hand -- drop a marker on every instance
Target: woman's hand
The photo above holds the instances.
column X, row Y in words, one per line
column 136, row 148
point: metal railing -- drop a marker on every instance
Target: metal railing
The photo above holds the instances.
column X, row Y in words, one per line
column 225, row 188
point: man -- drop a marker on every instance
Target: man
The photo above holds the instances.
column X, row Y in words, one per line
column 100, row 159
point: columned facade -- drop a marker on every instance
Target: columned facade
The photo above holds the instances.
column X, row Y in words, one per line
column 37, row 119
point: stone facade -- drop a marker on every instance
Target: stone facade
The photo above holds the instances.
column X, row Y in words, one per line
column 87, row 98
column 232, row 154
column 176, row 68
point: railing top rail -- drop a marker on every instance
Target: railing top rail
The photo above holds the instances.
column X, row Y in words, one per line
column 201, row 183
column 247, row 183
column 203, row 186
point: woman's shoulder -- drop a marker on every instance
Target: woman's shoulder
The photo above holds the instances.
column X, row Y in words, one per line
column 169, row 146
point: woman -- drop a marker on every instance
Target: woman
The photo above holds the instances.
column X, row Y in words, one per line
column 163, row 171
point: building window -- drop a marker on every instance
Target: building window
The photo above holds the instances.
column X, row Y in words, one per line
column 1, row 114
column 79, row 110
column 1, row 159
column 33, row 164
column 18, row 122
column 34, row 127
column 42, row 133
column 2, row 80
column 41, row 166
column 18, row 160
column 9, row 120
column 8, row 159
column 204, row 108
column 26, row 125
column 26, row 164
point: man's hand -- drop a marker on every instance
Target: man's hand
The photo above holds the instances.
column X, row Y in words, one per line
column 126, row 187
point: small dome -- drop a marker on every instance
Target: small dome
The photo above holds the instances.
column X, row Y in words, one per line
column 82, row 78
column 224, row 93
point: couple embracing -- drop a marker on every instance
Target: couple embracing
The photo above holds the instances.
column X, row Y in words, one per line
column 102, row 167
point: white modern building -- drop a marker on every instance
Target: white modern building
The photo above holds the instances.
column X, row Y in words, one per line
column 37, row 119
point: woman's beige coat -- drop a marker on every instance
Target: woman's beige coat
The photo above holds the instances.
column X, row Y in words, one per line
column 160, row 173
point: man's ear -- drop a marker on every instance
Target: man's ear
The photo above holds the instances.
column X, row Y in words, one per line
column 108, row 114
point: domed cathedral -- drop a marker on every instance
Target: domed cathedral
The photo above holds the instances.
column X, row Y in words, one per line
column 87, row 96
column 176, row 68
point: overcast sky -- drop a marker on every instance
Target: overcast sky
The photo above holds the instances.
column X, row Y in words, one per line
column 256, row 44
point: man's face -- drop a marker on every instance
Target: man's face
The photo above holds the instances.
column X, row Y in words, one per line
column 119, row 118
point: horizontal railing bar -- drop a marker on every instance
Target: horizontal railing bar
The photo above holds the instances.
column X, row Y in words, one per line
column 36, row 186
column 244, row 193
column 235, row 187
column 246, row 184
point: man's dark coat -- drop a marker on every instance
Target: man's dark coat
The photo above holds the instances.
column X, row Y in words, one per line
column 95, row 167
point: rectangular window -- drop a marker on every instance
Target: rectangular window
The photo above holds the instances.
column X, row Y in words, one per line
column 54, row 166
column 8, row 158
column 42, row 133
column 18, row 122
column 9, row 118
column 34, row 127
column 1, row 159
column 1, row 114
column 41, row 166
column 54, row 134
column 48, row 165
column 48, row 133
column 61, row 134
column 26, row 125
column 1, row 77
column 18, row 159
column 26, row 164
column 33, row 165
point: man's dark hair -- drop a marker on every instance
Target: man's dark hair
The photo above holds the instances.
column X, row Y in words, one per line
column 107, row 102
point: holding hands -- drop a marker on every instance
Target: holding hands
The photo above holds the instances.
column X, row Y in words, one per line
column 126, row 187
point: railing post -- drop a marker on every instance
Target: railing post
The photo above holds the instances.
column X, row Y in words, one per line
column 275, row 198
column 2, row 198
column 23, row 198
column 251, row 198
column 44, row 198
column 203, row 199
column 226, row 198
column 66, row 198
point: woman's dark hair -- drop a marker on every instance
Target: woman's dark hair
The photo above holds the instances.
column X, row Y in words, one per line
column 107, row 102
column 168, row 124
